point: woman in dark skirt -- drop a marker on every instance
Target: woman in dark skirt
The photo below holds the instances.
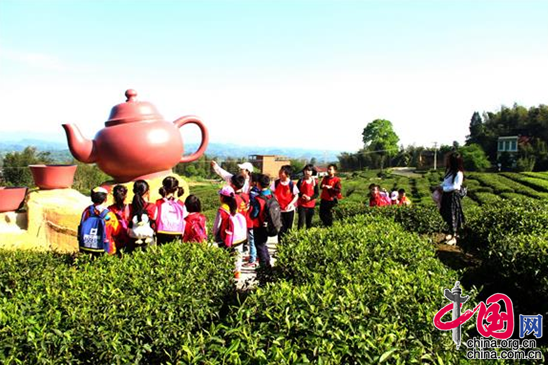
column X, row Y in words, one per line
column 451, row 206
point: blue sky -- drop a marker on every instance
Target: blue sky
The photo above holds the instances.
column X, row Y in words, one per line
column 273, row 73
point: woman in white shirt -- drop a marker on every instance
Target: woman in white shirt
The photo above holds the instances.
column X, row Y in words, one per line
column 451, row 206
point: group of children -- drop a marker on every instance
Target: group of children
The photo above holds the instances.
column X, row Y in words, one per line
column 380, row 197
column 123, row 226
column 252, row 196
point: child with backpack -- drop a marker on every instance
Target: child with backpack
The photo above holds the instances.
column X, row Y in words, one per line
column 331, row 193
column 170, row 220
column 237, row 182
column 308, row 192
column 98, row 226
column 121, row 210
column 287, row 195
column 267, row 221
column 195, row 221
column 230, row 227
column 143, row 217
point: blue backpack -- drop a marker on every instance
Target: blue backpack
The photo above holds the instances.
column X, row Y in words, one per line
column 92, row 232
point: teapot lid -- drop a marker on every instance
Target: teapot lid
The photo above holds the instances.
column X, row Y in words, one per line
column 132, row 111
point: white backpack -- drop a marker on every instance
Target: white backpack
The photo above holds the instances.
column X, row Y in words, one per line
column 141, row 230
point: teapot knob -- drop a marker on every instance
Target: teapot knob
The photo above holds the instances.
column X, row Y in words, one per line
column 131, row 95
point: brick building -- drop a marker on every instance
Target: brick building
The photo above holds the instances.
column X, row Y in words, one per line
column 269, row 164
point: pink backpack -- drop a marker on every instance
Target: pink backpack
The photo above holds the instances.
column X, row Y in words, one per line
column 238, row 227
column 171, row 216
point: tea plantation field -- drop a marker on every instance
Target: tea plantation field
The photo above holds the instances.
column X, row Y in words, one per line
column 362, row 292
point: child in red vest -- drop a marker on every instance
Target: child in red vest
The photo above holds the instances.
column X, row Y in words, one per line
column 111, row 224
column 258, row 216
column 237, row 182
column 378, row 198
column 227, row 233
column 121, row 211
column 331, row 193
column 308, row 192
column 195, row 227
column 287, row 194
column 170, row 223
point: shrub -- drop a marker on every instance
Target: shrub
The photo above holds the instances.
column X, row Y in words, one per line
column 532, row 183
column 364, row 291
column 502, row 218
column 492, row 181
column 522, row 260
column 146, row 307
column 474, row 158
column 486, row 198
column 417, row 218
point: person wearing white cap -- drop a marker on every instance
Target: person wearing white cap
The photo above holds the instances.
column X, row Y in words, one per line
column 246, row 169
column 394, row 197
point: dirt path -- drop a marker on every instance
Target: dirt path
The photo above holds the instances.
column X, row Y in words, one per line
column 248, row 276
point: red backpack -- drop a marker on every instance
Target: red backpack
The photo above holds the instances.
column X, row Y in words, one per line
column 195, row 230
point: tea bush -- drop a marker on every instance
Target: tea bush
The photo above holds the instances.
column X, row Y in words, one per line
column 417, row 218
column 530, row 186
column 502, row 218
column 364, row 291
column 522, row 259
column 146, row 307
column 491, row 181
column 486, row 198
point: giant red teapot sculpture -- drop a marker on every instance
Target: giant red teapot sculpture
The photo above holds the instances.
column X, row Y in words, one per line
column 136, row 142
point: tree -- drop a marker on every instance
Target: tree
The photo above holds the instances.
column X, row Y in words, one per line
column 87, row 177
column 474, row 158
column 297, row 165
column 477, row 130
column 15, row 166
column 379, row 137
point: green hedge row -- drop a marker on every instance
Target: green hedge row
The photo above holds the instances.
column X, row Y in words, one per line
column 364, row 291
column 423, row 219
column 491, row 181
column 511, row 239
column 537, row 188
column 539, row 175
column 485, row 197
column 494, row 221
column 142, row 308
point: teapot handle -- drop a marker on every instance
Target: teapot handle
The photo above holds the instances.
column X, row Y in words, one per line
column 191, row 119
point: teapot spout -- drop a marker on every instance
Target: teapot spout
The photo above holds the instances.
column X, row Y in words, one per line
column 81, row 148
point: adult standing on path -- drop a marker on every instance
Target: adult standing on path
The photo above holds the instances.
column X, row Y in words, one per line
column 451, row 205
column 246, row 169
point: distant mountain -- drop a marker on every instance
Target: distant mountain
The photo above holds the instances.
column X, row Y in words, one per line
column 221, row 150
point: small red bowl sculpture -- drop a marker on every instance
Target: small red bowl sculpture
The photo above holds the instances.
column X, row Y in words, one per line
column 11, row 198
column 48, row 177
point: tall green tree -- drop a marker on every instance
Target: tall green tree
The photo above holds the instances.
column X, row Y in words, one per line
column 379, row 137
column 477, row 130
